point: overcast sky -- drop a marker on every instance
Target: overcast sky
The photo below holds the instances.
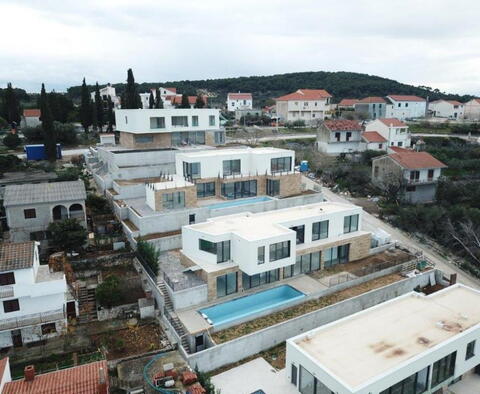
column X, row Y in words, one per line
column 421, row 42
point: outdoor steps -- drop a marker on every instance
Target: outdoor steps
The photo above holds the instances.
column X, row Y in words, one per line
column 185, row 344
column 168, row 301
column 87, row 305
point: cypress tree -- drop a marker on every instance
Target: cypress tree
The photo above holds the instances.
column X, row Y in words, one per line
column 110, row 116
column 94, row 117
column 99, row 108
column 199, row 102
column 151, row 101
column 132, row 98
column 12, row 105
column 85, row 107
column 184, row 103
column 49, row 136
column 158, row 99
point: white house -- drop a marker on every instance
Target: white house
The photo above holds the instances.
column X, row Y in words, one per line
column 411, row 344
column 406, row 107
column 35, row 301
column 246, row 250
column 30, row 118
column 472, row 109
column 391, row 129
column 308, row 105
column 239, row 101
column 450, row 109
column 372, row 140
column 339, row 136
column 105, row 93
column 30, row 208
column 164, row 128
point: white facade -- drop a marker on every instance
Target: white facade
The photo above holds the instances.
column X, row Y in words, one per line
column 253, row 161
column 143, row 121
column 239, row 101
column 406, row 107
column 446, row 109
column 105, row 93
column 472, row 109
column 247, row 232
column 412, row 340
column 107, row 139
column 308, row 105
column 394, row 131
column 42, row 298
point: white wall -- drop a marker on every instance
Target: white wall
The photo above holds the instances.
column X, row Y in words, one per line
column 394, row 135
column 444, row 109
column 472, row 110
column 234, row 104
column 406, row 109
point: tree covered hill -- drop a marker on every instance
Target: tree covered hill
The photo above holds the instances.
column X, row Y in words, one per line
column 340, row 84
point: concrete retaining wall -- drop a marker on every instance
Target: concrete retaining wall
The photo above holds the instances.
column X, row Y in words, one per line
column 116, row 311
column 248, row 345
column 189, row 297
column 167, row 243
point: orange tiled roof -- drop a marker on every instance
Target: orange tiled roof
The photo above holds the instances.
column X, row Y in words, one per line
column 178, row 99
column 341, row 124
column 412, row 160
column 348, row 102
column 239, row 96
column 18, row 255
column 31, row 113
column 83, row 379
column 305, row 94
column 392, row 122
column 373, row 136
column 367, row 100
column 399, row 97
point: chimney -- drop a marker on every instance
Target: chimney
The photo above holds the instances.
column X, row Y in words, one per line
column 102, row 382
column 29, row 373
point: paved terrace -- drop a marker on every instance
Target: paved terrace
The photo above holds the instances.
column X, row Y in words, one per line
column 174, row 272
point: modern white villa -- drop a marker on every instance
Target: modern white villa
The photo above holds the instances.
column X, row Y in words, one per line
column 406, row 107
column 164, row 128
column 411, row 344
column 35, row 300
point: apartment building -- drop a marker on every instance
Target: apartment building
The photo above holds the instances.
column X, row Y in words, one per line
column 339, row 136
column 164, row 128
column 472, row 109
column 415, row 174
column 406, row 107
column 308, row 105
column 411, row 344
column 450, row 109
column 239, row 100
column 393, row 130
column 237, row 252
column 35, row 301
column 30, row 208
column 372, row 107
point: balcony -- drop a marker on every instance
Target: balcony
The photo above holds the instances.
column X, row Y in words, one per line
column 420, row 181
column 32, row 320
column 6, row 291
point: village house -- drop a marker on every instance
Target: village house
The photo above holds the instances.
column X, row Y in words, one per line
column 105, row 93
column 472, row 109
column 30, row 118
column 450, row 109
column 239, row 101
column 393, row 130
column 347, row 104
column 406, row 107
column 308, row 105
column 372, row 107
column 339, row 136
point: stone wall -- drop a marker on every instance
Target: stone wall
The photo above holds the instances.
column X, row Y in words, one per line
column 190, row 196
column 160, row 140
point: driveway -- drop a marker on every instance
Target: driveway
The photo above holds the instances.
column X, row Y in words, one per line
column 371, row 223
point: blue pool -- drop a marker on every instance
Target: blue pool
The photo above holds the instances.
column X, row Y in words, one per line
column 236, row 203
column 240, row 307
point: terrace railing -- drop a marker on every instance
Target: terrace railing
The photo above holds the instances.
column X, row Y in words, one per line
column 6, row 291
column 32, row 319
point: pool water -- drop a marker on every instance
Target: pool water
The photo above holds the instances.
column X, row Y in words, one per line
column 236, row 203
column 240, row 307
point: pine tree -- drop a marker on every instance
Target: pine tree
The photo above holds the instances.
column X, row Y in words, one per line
column 132, row 98
column 49, row 137
column 12, row 105
column 184, row 103
column 99, row 108
column 110, row 115
column 158, row 99
column 85, row 107
column 199, row 102
column 151, row 101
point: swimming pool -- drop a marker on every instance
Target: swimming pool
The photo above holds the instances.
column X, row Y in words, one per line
column 240, row 307
column 236, row 203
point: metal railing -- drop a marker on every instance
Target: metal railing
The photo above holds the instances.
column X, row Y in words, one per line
column 32, row 319
column 6, row 291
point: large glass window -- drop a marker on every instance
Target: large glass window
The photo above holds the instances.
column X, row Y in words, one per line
column 279, row 250
column 470, row 350
column 414, row 384
column 219, row 137
column 226, row 284
column 261, row 255
column 320, row 230
column 174, row 200
column 157, row 122
column 303, row 264
column 179, row 121
column 350, row 223
column 336, row 255
column 307, row 382
column 143, row 139
column 188, row 138
column 191, row 170
column 231, row 167
column 300, row 230
column 273, row 187
column 221, row 249
column 240, row 189
column 251, row 281
column 281, row 164
column 443, row 369
column 206, row 189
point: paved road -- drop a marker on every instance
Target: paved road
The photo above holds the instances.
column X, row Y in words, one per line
column 371, row 223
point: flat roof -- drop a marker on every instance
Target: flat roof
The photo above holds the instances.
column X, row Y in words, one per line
column 262, row 225
column 363, row 346
column 230, row 151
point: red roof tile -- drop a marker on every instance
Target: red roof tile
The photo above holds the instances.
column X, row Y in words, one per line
column 239, row 96
column 3, row 366
column 83, row 379
column 31, row 113
column 367, row 100
column 178, row 99
column 412, row 160
column 373, row 136
column 349, row 125
column 392, row 122
column 398, row 97
column 454, row 102
column 305, row 94
column 398, row 149
column 174, row 90
column 348, row 102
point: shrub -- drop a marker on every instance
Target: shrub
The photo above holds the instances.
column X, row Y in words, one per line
column 11, row 141
column 98, row 204
column 68, row 235
column 108, row 292
column 10, row 163
column 149, row 254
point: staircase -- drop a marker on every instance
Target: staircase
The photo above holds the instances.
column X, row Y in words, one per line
column 168, row 301
column 86, row 305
